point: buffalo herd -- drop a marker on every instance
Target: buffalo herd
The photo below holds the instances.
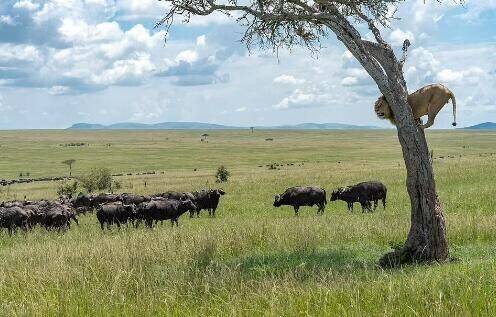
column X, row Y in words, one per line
column 124, row 209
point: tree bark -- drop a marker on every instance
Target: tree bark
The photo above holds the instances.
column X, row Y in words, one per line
column 427, row 239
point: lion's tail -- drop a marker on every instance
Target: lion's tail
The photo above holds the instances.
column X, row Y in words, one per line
column 453, row 101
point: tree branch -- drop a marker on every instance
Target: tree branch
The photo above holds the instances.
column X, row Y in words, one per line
column 406, row 45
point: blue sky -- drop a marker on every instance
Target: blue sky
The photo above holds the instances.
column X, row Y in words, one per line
column 101, row 61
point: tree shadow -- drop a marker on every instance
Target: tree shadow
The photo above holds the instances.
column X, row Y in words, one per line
column 304, row 264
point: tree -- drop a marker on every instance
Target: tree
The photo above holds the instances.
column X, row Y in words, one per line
column 97, row 179
column 276, row 24
column 69, row 163
column 222, row 174
column 68, row 190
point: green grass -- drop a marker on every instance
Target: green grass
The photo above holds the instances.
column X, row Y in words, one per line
column 252, row 259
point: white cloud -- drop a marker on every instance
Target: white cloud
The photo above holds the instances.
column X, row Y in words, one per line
column 59, row 90
column 26, row 5
column 349, row 81
column 78, row 31
column 187, row 56
column 476, row 7
column 288, row 79
column 126, row 71
column 7, row 19
column 303, row 99
column 241, row 109
column 469, row 75
column 59, row 9
column 135, row 9
column 397, row 37
column 201, row 40
column 20, row 53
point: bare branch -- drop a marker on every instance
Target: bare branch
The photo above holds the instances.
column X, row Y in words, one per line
column 372, row 27
column 406, row 45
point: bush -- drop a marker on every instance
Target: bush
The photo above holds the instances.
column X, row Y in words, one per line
column 97, row 179
column 67, row 189
column 117, row 185
column 222, row 174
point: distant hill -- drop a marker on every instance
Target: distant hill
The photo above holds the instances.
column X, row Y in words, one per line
column 483, row 126
column 156, row 126
column 87, row 126
column 210, row 126
column 323, row 126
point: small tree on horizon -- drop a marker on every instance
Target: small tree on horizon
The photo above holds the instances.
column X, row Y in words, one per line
column 69, row 163
column 276, row 24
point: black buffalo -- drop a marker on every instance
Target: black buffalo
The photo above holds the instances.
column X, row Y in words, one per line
column 167, row 209
column 364, row 193
column 302, row 196
column 115, row 213
column 55, row 215
column 207, row 199
column 12, row 218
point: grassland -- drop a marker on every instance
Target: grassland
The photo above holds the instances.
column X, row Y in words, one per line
column 252, row 259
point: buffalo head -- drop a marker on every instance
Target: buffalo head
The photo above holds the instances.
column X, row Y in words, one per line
column 277, row 201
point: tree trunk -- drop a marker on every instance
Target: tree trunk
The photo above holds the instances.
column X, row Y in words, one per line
column 427, row 239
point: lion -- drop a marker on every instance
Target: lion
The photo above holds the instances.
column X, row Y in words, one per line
column 428, row 100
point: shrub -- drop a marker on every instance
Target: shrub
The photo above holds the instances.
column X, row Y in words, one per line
column 98, row 178
column 67, row 189
column 117, row 185
column 222, row 174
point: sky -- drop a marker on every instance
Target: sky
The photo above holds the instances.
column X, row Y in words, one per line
column 102, row 61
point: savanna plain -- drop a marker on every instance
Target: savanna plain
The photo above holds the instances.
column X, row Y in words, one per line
column 251, row 259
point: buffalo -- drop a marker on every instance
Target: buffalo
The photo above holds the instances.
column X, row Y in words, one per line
column 207, row 199
column 364, row 193
column 302, row 196
column 12, row 218
column 117, row 213
column 167, row 209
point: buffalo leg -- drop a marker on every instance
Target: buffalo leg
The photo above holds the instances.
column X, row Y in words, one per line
column 384, row 203
column 296, row 209
column 375, row 204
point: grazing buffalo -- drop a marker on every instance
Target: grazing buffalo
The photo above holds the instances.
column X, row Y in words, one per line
column 159, row 210
column 115, row 213
column 207, row 199
column 12, row 218
column 55, row 215
column 83, row 202
column 364, row 193
column 302, row 196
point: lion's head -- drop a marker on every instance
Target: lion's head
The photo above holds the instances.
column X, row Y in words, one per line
column 382, row 109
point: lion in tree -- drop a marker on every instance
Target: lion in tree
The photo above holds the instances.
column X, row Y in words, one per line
column 428, row 100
